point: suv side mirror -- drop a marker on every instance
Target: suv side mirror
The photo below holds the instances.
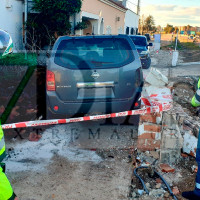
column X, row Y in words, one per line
column 150, row 44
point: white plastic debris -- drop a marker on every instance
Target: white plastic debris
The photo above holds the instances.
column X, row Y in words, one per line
column 190, row 144
column 156, row 78
column 140, row 192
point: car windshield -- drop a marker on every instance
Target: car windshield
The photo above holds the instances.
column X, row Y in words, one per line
column 139, row 41
column 86, row 53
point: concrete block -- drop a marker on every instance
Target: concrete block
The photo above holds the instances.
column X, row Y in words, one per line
column 170, row 156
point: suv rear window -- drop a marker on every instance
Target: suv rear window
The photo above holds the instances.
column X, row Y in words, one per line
column 93, row 53
column 139, row 41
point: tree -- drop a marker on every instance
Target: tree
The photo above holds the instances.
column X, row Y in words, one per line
column 51, row 19
column 176, row 29
column 185, row 28
column 188, row 27
column 159, row 28
column 149, row 24
column 169, row 28
column 141, row 24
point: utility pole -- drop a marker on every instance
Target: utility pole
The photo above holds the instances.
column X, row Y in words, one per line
column 138, row 7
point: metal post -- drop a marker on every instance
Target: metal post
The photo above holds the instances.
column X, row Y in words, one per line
column 176, row 41
column 138, row 8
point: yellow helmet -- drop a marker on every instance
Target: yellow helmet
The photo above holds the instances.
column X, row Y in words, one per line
column 6, row 44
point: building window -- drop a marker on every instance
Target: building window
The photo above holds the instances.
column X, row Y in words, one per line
column 132, row 31
column 127, row 30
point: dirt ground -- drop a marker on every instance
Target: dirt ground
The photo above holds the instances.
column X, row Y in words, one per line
column 63, row 179
column 73, row 165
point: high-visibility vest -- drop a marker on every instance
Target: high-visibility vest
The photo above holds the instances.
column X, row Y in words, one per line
column 6, row 191
column 196, row 98
column 2, row 145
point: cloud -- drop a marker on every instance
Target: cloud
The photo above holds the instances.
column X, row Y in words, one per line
column 173, row 14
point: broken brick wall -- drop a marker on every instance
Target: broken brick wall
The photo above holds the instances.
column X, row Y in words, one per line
column 149, row 132
column 159, row 132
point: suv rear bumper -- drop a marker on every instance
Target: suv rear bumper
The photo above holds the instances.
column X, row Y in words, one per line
column 73, row 108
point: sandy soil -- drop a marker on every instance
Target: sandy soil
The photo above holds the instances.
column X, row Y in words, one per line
column 62, row 179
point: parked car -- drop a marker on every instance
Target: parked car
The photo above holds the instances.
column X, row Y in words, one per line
column 93, row 75
column 148, row 36
column 141, row 45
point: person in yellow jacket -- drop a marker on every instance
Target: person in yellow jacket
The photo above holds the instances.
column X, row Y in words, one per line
column 196, row 98
column 6, row 191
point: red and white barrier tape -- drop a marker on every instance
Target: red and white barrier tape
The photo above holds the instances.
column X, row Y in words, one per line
column 157, row 107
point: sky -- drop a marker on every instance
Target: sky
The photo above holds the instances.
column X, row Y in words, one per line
column 174, row 12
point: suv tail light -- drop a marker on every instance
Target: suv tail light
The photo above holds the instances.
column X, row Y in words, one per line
column 50, row 81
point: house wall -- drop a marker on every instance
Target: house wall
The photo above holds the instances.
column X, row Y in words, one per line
column 108, row 13
column 11, row 20
column 131, row 21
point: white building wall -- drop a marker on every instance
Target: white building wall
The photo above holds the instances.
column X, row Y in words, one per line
column 11, row 20
column 131, row 21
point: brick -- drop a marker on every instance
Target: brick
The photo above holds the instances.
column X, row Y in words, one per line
column 152, row 128
column 184, row 155
column 148, row 118
column 166, row 168
column 175, row 190
column 147, row 136
column 192, row 154
column 158, row 180
column 34, row 137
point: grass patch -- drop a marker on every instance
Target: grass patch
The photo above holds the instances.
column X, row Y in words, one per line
column 18, row 59
column 189, row 46
column 182, row 46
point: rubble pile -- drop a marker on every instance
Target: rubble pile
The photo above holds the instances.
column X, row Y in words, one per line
column 186, row 116
column 177, row 151
column 156, row 187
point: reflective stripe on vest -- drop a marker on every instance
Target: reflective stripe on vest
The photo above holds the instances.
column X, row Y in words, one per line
column 198, row 84
column 197, row 96
column 2, row 145
column 194, row 102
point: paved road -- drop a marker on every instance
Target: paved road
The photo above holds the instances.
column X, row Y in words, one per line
column 180, row 70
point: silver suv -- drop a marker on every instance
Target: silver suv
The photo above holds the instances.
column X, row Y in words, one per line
column 93, row 75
